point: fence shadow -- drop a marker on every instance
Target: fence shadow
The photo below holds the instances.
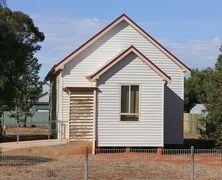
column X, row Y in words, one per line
column 22, row 160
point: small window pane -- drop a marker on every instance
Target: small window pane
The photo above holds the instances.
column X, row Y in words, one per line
column 134, row 99
column 124, row 99
column 129, row 117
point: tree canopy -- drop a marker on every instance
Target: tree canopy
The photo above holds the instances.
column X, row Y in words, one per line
column 205, row 86
column 2, row 3
column 196, row 88
column 19, row 39
column 214, row 107
column 20, row 85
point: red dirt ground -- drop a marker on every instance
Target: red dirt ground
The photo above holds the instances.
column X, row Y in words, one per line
column 67, row 162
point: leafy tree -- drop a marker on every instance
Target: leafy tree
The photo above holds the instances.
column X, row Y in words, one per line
column 28, row 92
column 19, row 39
column 196, row 87
column 2, row 3
column 214, row 107
column 205, row 86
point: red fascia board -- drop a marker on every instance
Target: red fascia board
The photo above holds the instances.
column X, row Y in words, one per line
column 123, row 15
column 110, row 62
column 152, row 63
column 87, row 42
column 113, row 60
column 158, row 43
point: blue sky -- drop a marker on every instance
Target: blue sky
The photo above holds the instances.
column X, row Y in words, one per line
column 191, row 30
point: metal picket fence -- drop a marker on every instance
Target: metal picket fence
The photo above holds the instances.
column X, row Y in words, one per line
column 67, row 162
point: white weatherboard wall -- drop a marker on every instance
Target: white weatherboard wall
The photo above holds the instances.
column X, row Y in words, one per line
column 65, row 113
column 62, row 109
column 149, row 130
column 59, row 103
column 121, row 37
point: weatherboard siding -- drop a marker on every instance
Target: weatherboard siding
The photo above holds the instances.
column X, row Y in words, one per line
column 52, row 109
column 59, row 101
column 148, row 131
column 65, row 113
column 121, row 37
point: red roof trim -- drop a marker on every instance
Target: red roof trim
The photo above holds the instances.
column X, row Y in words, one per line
column 91, row 38
column 113, row 60
column 151, row 63
column 106, row 27
column 158, row 43
column 108, row 63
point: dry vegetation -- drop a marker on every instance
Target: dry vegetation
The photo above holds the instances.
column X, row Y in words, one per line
column 67, row 162
column 25, row 133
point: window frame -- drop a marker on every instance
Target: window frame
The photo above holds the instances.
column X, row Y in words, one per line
column 120, row 102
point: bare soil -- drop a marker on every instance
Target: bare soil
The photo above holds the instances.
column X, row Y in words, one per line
column 25, row 134
column 67, row 162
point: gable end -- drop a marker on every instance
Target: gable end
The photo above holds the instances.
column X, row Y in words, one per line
column 123, row 54
column 121, row 18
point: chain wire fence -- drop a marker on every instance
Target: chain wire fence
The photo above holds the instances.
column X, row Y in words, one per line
column 67, row 162
column 55, row 129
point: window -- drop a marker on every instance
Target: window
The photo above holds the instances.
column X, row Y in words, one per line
column 129, row 103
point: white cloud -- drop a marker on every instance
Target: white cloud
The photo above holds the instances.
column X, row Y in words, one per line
column 196, row 53
column 63, row 35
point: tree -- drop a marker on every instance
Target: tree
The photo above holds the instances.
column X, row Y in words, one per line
column 196, row 87
column 19, row 39
column 28, row 92
column 205, row 86
column 2, row 3
column 214, row 107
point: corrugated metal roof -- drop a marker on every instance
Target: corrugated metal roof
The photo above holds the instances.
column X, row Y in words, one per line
column 198, row 109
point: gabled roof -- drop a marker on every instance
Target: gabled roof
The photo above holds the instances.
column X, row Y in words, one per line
column 120, row 56
column 121, row 18
column 198, row 109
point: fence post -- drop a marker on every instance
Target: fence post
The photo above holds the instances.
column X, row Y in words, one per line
column 86, row 165
column 17, row 134
column 192, row 163
column 49, row 130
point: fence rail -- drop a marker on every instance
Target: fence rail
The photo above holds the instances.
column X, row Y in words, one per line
column 118, row 163
column 55, row 129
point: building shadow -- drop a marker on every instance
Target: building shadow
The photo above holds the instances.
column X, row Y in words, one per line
column 197, row 143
